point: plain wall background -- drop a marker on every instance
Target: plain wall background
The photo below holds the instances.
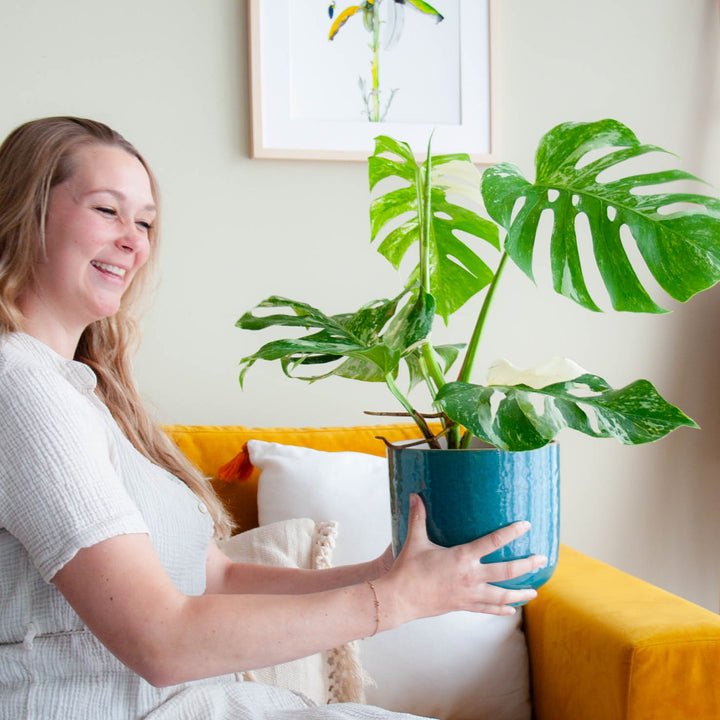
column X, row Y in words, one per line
column 172, row 76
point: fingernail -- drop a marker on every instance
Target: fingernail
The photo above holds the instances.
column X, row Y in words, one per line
column 541, row 561
column 525, row 525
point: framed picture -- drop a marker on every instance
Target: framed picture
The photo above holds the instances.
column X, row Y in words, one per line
column 328, row 77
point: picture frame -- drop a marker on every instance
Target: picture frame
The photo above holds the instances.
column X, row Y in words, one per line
column 306, row 104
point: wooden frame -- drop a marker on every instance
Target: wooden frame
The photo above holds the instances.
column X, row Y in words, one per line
column 299, row 108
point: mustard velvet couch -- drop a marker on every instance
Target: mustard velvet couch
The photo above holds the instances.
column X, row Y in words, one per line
column 603, row 645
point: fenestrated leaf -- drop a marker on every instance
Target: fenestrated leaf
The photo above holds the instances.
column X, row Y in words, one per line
column 518, row 417
column 681, row 249
column 398, row 241
column 456, row 271
column 381, row 167
column 390, row 206
column 303, row 315
column 353, row 342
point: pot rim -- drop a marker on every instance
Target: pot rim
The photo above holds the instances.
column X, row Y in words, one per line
column 422, row 446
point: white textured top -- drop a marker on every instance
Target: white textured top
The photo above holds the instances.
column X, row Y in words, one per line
column 69, row 479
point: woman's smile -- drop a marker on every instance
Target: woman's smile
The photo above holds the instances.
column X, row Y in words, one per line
column 112, row 271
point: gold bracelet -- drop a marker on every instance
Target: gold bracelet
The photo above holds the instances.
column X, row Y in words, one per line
column 377, row 608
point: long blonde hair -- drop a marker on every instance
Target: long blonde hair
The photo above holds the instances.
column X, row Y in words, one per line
column 33, row 159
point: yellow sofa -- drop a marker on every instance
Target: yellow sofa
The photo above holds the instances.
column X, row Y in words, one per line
column 603, row 645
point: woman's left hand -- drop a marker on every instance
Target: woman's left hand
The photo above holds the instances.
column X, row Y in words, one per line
column 384, row 563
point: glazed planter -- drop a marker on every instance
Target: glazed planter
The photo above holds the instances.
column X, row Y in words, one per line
column 469, row 493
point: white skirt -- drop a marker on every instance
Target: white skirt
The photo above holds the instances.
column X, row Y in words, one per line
column 229, row 700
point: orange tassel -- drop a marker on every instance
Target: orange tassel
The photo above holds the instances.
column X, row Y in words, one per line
column 239, row 468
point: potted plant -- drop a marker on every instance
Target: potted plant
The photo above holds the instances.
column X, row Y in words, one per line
column 424, row 206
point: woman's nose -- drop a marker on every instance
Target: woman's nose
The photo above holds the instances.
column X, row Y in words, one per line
column 132, row 238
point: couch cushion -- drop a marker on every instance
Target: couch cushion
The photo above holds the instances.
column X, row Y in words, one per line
column 462, row 666
column 210, row 447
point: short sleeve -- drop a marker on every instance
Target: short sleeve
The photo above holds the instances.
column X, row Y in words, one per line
column 59, row 489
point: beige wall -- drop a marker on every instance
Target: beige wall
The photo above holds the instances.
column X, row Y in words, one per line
column 171, row 75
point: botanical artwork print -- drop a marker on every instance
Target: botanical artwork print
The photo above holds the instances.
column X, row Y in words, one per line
column 376, row 99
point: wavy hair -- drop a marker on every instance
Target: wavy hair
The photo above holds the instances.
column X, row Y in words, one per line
column 34, row 158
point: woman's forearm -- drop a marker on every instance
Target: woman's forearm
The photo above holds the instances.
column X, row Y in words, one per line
column 250, row 579
column 216, row 634
column 226, row 577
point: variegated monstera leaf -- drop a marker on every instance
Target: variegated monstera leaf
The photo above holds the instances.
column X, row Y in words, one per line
column 418, row 211
column 677, row 233
column 524, row 410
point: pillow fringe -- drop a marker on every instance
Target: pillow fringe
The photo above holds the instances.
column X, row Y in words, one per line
column 346, row 677
column 323, row 544
column 343, row 679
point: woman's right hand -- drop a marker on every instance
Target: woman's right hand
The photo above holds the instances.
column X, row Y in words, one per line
column 428, row 580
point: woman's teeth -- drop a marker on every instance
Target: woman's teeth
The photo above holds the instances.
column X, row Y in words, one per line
column 112, row 269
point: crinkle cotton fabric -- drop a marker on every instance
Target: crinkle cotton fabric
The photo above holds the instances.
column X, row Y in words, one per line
column 69, row 479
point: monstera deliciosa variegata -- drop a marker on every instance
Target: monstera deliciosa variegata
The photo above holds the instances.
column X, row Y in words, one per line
column 414, row 206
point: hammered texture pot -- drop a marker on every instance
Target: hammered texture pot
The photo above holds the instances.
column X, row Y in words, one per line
column 470, row 493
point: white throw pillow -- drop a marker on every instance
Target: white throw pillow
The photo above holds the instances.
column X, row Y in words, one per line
column 332, row 676
column 462, row 666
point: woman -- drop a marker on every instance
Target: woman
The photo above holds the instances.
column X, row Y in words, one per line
column 114, row 601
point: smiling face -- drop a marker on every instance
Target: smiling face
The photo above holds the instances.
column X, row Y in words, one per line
column 97, row 238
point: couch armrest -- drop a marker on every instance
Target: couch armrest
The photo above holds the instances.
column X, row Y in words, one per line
column 607, row 646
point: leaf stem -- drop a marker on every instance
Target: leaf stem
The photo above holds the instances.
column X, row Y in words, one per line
column 416, row 416
column 431, row 371
column 424, row 202
column 471, row 353
column 432, row 368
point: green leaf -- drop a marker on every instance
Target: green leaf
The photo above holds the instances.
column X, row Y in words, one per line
column 519, row 417
column 447, row 354
column 357, row 369
column 681, row 248
column 365, row 345
column 457, row 273
column 380, row 167
column 412, row 324
column 390, row 206
column 304, row 315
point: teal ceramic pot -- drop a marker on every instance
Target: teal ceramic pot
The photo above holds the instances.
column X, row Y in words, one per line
column 470, row 493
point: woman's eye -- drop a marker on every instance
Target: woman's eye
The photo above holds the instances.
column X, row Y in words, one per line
column 106, row 211
column 146, row 226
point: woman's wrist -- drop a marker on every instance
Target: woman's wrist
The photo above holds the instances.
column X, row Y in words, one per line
column 382, row 564
column 385, row 603
column 376, row 605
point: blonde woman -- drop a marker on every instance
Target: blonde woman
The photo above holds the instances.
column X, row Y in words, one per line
column 115, row 602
